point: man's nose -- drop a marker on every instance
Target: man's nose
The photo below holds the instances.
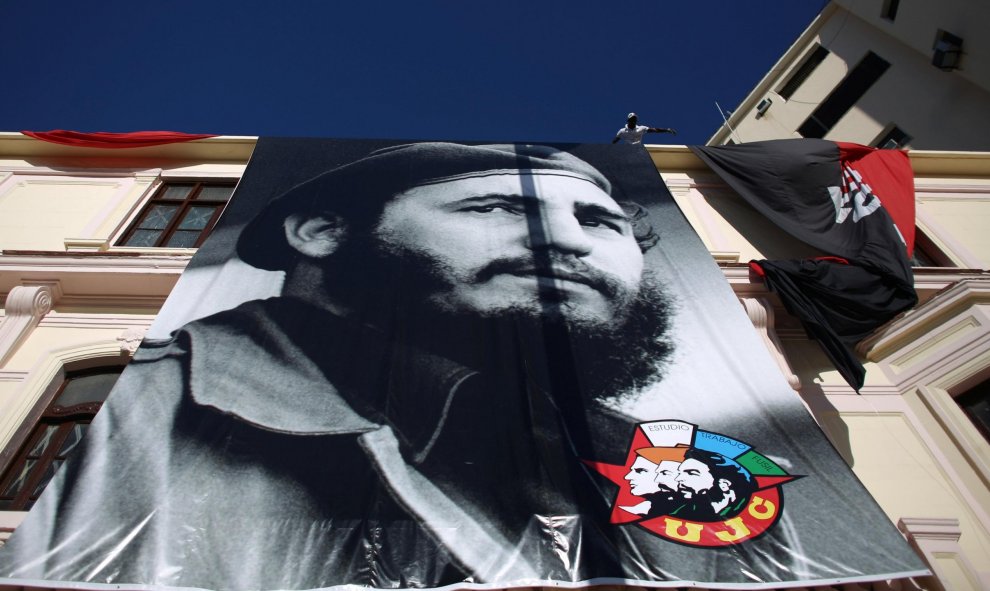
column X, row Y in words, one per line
column 559, row 231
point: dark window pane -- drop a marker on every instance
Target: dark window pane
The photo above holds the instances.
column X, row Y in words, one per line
column 183, row 239
column 976, row 404
column 889, row 9
column 87, row 388
column 22, row 476
column 801, row 74
column 143, row 238
column 177, row 192
column 72, row 439
column 844, row 96
column 42, row 442
column 50, row 471
column 894, row 139
column 158, row 217
column 196, row 218
column 214, row 193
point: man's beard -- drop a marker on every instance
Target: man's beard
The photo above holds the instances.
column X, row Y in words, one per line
column 549, row 342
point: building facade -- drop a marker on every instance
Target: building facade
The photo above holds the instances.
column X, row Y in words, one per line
column 92, row 242
column 886, row 73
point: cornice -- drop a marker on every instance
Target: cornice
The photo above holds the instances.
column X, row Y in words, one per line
column 102, row 276
column 18, row 146
column 962, row 294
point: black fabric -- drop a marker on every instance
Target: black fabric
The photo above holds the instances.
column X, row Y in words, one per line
column 838, row 305
column 789, row 181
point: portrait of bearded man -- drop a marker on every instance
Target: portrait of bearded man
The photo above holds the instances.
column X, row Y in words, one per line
column 453, row 323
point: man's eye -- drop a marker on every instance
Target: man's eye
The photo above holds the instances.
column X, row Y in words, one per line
column 600, row 223
column 489, row 208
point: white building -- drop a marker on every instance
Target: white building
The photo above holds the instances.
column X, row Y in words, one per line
column 886, row 73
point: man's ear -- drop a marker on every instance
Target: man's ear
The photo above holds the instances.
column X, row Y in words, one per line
column 316, row 236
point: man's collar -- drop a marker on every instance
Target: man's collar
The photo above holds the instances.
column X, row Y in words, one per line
column 242, row 364
column 284, row 365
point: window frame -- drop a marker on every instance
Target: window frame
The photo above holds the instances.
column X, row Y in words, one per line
column 853, row 87
column 891, row 133
column 812, row 59
column 889, row 9
column 186, row 203
column 64, row 419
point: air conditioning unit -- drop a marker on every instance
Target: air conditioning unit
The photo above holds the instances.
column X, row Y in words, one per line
column 763, row 107
column 947, row 51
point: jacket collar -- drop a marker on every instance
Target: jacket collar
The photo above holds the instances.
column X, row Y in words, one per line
column 242, row 364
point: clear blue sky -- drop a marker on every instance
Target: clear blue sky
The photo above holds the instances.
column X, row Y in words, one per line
column 551, row 70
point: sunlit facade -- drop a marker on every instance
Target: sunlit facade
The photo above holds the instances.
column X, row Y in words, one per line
column 886, row 73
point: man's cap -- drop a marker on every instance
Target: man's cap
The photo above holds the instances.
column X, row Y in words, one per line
column 631, row 116
column 362, row 187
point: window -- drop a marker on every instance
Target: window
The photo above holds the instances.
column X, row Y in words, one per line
column 845, row 95
column 976, row 404
column 889, row 9
column 927, row 253
column 801, row 74
column 180, row 215
column 894, row 138
column 947, row 51
column 55, row 437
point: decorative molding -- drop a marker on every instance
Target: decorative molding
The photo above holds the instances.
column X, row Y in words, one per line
column 936, row 337
column 23, row 310
column 97, row 279
column 77, row 172
column 158, row 251
column 131, row 339
column 937, row 541
column 13, row 376
column 725, row 257
column 760, row 313
column 931, row 528
column 86, row 244
column 192, row 175
column 683, row 184
column 108, row 321
column 869, row 390
column 945, row 192
column 960, row 429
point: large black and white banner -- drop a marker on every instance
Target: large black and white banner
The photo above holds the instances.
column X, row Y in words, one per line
column 448, row 365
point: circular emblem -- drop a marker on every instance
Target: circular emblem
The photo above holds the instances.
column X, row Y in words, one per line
column 695, row 487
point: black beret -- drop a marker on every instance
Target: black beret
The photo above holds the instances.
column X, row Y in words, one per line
column 361, row 189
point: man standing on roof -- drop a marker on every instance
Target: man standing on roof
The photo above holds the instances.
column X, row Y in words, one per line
column 633, row 133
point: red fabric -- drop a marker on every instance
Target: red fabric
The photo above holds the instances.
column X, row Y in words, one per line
column 101, row 139
column 889, row 174
column 756, row 268
column 837, row 260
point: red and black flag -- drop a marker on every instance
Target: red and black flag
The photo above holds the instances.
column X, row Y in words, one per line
column 853, row 202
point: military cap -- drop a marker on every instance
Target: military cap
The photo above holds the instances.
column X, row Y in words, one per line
column 359, row 190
